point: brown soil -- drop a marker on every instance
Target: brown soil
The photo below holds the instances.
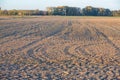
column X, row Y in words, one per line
column 59, row 48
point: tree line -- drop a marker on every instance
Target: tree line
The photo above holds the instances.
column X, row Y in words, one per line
column 22, row 12
column 63, row 11
column 116, row 13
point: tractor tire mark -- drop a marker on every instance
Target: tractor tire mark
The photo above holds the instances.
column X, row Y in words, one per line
column 108, row 40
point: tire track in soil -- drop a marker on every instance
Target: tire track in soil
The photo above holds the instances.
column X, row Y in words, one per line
column 36, row 44
column 30, row 53
column 29, row 44
column 66, row 51
column 19, row 36
column 36, row 41
column 32, row 27
column 43, row 50
column 108, row 40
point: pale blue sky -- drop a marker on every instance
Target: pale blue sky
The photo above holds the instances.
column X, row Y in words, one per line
column 42, row 4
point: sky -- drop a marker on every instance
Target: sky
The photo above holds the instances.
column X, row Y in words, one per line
column 42, row 4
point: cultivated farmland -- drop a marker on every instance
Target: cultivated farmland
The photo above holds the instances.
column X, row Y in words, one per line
column 59, row 48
